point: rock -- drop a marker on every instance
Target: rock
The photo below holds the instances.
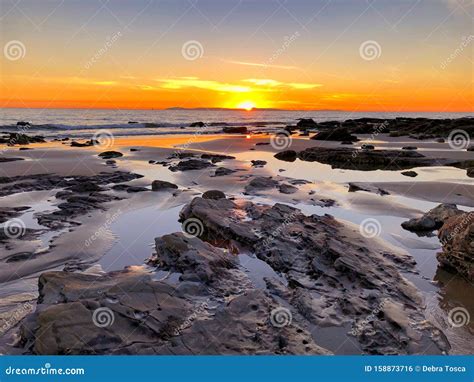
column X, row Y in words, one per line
column 470, row 148
column 339, row 134
column 84, row 144
column 287, row 189
column 287, row 155
column 433, row 219
column 335, row 277
column 132, row 122
column 347, row 143
column 216, row 157
column 367, row 147
column 197, row 124
column 355, row 186
column 262, row 143
column 158, row 185
column 213, row 194
column 258, row 163
column 181, row 155
column 260, row 183
column 457, row 237
column 234, row 130
column 7, row 213
column 411, row 174
column 13, row 139
column 440, row 140
column 25, row 148
column 409, row 148
column 347, row 158
column 110, row 154
column 306, row 123
column 87, row 186
column 9, row 159
column 191, row 164
column 470, row 172
column 221, row 171
column 133, row 149
column 23, row 123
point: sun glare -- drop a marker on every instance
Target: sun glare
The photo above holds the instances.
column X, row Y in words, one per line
column 246, row 105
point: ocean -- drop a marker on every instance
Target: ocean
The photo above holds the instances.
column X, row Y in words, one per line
column 84, row 122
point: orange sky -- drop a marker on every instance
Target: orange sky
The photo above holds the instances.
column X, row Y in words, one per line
column 77, row 56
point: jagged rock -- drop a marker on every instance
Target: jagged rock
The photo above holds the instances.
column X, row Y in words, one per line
column 411, row 174
column 457, row 237
column 287, row 155
column 110, row 154
column 216, row 157
column 213, row 194
column 354, row 187
column 433, row 219
column 234, row 130
column 191, row 164
column 88, row 143
column 287, row 188
column 158, row 185
column 13, row 139
column 340, row 134
column 260, row 183
column 258, row 163
column 335, row 277
column 347, row 158
column 221, row 171
column 306, row 123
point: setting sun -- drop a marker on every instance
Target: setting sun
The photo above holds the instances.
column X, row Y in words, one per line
column 247, row 105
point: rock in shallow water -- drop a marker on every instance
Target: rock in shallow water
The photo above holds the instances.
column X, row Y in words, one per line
column 433, row 219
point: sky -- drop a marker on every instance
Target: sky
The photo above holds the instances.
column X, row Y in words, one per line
column 358, row 55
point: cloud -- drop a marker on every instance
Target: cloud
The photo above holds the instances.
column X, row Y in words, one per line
column 274, row 83
column 193, row 82
column 263, row 65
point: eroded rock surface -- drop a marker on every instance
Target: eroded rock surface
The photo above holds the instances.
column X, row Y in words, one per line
column 433, row 219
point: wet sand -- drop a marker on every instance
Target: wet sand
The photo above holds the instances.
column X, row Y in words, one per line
column 128, row 226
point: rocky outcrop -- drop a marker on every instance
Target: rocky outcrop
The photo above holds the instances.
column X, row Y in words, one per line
column 222, row 171
column 158, row 185
column 457, row 237
column 334, row 276
column 12, row 139
column 260, row 183
column 287, row 155
column 433, row 219
column 348, row 158
column 234, row 130
column 340, row 134
column 110, row 154
column 191, row 164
